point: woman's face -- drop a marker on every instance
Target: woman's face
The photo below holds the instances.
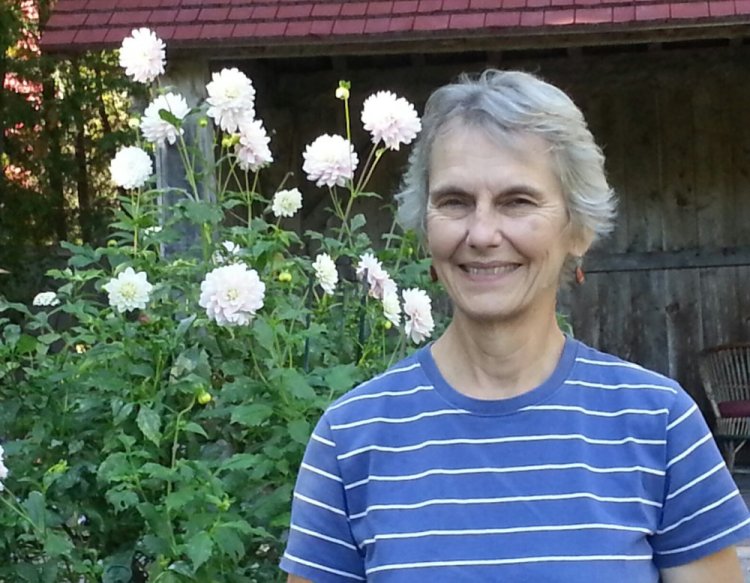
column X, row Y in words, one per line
column 497, row 224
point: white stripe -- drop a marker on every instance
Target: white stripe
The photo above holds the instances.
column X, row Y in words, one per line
column 320, row 472
column 509, row 470
column 682, row 417
column 319, row 504
column 617, row 413
column 496, row 440
column 697, row 480
column 322, row 536
column 703, row 510
column 323, row 440
column 689, row 450
column 620, row 386
column 708, row 540
column 382, row 394
column 400, row 419
column 481, row 531
column 468, row 501
column 323, row 567
column 520, row 560
column 611, row 363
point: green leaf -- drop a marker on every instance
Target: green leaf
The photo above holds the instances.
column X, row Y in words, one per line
column 239, row 461
column 229, row 542
column 57, row 545
column 117, row 568
column 341, row 377
column 179, row 498
column 299, row 430
column 251, row 415
column 149, row 423
column 199, row 549
column 170, row 118
column 121, row 499
column 35, row 508
column 193, row 427
column 295, row 383
column 200, row 212
column 184, row 326
column 26, row 344
column 157, row 471
column 357, row 222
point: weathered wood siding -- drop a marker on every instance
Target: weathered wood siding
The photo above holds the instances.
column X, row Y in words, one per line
column 675, row 125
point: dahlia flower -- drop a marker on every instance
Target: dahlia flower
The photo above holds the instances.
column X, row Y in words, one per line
column 231, row 97
column 142, row 55
column 418, row 313
column 46, row 299
column 286, row 202
column 330, row 160
column 390, row 119
column 252, row 150
column 3, row 469
column 392, row 307
column 157, row 130
column 231, row 249
column 128, row 291
column 378, row 279
column 326, row 273
column 131, row 167
column 232, row 294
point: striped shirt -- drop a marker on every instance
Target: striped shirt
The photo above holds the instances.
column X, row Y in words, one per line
column 605, row 472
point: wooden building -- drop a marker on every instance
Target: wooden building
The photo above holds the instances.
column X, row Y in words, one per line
column 665, row 87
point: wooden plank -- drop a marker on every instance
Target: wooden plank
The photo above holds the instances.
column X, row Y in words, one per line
column 644, row 220
column 684, row 316
column 693, row 258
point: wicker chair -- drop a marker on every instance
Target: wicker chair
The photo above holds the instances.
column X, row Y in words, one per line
column 725, row 372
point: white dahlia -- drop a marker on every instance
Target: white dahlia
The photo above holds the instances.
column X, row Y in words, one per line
column 330, row 160
column 46, row 299
column 418, row 313
column 128, row 291
column 131, row 167
column 378, row 280
column 326, row 273
column 231, row 99
column 392, row 307
column 142, row 55
column 157, row 130
column 391, row 119
column 232, row 294
column 252, row 151
column 286, row 202
column 3, row 469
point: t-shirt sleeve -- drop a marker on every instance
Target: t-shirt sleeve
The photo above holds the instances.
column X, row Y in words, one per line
column 702, row 511
column 321, row 546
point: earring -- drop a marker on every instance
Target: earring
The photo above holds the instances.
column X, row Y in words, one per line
column 580, row 275
column 433, row 274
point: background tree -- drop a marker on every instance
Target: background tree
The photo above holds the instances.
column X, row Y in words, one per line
column 62, row 122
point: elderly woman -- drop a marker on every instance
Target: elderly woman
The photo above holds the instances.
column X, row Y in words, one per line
column 506, row 451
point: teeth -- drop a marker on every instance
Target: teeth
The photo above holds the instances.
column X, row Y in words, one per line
column 490, row 270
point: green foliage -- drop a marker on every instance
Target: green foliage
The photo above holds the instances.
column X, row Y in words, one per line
column 155, row 444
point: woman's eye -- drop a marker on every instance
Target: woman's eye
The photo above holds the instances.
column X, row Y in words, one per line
column 520, row 201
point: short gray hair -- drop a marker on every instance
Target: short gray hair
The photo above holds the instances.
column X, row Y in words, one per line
column 503, row 103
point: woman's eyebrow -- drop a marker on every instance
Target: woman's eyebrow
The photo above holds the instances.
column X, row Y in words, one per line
column 452, row 189
column 448, row 189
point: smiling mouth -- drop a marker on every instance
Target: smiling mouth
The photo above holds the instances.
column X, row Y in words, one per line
column 489, row 270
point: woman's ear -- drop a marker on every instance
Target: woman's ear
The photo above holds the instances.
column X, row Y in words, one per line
column 582, row 240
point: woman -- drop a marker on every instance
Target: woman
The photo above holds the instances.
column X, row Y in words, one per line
column 506, row 451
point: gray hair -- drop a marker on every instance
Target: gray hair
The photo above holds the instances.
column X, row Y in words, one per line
column 504, row 103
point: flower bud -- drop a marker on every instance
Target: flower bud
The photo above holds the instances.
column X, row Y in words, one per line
column 111, row 243
column 229, row 141
column 387, row 325
column 342, row 93
column 203, row 122
column 134, row 123
column 285, row 277
column 204, row 397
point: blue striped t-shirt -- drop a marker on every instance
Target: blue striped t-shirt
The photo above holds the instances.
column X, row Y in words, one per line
column 605, row 472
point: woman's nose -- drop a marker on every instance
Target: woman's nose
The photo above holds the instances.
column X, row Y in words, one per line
column 484, row 229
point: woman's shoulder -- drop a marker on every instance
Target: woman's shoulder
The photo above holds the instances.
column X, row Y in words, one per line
column 402, row 379
column 597, row 364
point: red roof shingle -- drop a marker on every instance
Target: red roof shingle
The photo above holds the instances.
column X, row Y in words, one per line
column 77, row 25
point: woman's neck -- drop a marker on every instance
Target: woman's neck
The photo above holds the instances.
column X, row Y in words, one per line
column 499, row 360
